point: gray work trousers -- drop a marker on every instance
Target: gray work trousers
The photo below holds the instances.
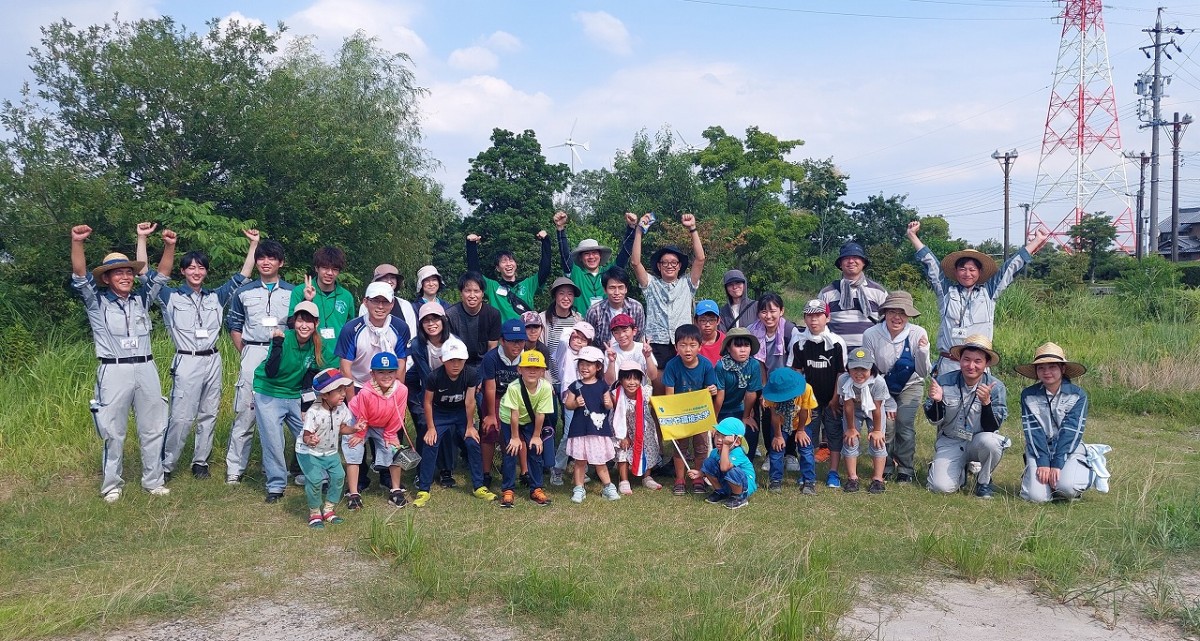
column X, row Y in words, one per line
column 1074, row 478
column 241, row 436
column 948, row 471
column 901, row 439
column 119, row 387
column 195, row 399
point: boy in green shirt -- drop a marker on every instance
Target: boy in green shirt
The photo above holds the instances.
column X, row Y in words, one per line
column 511, row 296
column 335, row 303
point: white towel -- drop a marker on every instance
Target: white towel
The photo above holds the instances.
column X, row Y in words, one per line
column 1097, row 460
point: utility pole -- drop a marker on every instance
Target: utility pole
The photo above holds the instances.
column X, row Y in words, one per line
column 1152, row 87
column 1026, row 207
column 1178, row 126
column 1006, row 160
column 1141, row 199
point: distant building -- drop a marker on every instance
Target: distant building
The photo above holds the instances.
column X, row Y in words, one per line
column 1189, row 234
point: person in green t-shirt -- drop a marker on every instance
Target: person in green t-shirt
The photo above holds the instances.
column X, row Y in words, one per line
column 335, row 302
column 585, row 265
column 512, row 297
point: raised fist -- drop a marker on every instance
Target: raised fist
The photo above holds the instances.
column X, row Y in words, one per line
column 80, row 233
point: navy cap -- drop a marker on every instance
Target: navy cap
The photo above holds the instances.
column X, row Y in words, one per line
column 385, row 362
column 513, row 330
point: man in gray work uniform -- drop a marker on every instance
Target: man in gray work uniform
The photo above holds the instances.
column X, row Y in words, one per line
column 193, row 316
column 258, row 308
column 126, row 377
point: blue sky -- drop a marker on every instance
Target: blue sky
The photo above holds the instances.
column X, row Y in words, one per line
column 907, row 96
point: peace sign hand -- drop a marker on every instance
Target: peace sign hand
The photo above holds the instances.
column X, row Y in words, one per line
column 310, row 292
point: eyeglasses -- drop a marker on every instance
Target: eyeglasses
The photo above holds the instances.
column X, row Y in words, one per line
column 668, row 263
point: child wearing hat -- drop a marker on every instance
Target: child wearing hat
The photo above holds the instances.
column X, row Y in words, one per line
column 967, row 284
column 585, row 265
column 708, row 318
column 497, row 373
column 379, row 409
column 668, row 293
column 524, row 408
column 727, row 468
column 739, row 377
column 449, row 410
column 1053, row 415
column 967, row 406
column 325, row 423
column 901, row 350
column 126, row 377
column 635, row 428
column 573, row 339
column 865, row 406
column 425, row 355
column 791, row 401
column 820, row 355
column 623, row 347
column 590, row 435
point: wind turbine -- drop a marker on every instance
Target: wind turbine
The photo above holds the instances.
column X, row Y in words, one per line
column 571, row 144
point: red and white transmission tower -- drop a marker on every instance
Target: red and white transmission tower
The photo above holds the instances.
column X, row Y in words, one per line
column 1082, row 170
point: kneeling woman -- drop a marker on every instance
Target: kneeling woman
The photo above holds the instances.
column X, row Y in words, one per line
column 1053, row 414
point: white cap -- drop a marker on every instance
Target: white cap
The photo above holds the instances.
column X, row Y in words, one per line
column 454, row 348
column 380, row 288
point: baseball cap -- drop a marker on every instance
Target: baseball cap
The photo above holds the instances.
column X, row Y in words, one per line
column 532, row 319
column 585, row 328
column 731, row 426
column 531, row 358
column 385, row 270
column 513, row 330
column 431, row 309
column 380, row 289
column 816, row 306
column 707, row 306
column 384, row 362
column 621, row 320
column 591, row 354
column 860, row 357
column 308, row 307
column 454, row 348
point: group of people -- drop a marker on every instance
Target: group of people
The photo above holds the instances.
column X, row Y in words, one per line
column 566, row 391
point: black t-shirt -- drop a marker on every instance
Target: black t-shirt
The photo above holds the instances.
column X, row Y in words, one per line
column 475, row 331
column 451, row 395
column 821, row 367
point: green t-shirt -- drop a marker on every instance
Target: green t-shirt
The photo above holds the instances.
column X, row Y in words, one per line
column 295, row 363
column 336, row 307
column 497, row 295
column 590, row 285
column 542, row 401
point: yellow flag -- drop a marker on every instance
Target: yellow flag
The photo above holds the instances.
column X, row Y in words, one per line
column 684, row 415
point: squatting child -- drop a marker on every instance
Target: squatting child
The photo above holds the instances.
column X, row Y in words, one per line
column 727, row 467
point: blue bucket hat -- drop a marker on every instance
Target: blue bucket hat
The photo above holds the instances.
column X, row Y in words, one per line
column 513, row 329
column 384, row 362
column 851, row 249
column 731, row 426
column 784, row 384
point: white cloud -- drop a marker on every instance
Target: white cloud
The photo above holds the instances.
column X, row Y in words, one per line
column 473, row 59
column 241, row 19
column 334, row 20
column 479, row 103
column 503, row 41
column 605, row 31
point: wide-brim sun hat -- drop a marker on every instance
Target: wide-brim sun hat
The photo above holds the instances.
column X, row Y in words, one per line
column 1051, row 354
column 591, row 354
column 987, row 264
column 385, row 270
column 426, row 272
column 784, row 384
column 630, row 365
column 563, row 281
column 117, row 260
column 900, row 300
column 328, row 380
column 976, row 341
column 740, row 332
column 684, row 261
column 590, row 245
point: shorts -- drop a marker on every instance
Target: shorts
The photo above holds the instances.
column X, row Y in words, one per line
column 694, row 447
column 663, row 352
column 354, row 455
column 864, row 426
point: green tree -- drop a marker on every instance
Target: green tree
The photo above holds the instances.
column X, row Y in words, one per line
column 1093, row 235
column 750, row 172
column 512, row 187
column 820, row 193
column 882, row 221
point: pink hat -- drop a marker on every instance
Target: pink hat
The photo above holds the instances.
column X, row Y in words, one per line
column 431, row 309
column 630, row 365
column 591, row 354
column 585, row 328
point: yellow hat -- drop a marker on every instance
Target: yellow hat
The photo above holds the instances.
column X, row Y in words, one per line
column 532, row 358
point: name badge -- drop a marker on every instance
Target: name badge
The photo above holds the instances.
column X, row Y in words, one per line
column 202, row 333
column 270, row 321
column 502, row 291
column 327, row 333
column 129, row 343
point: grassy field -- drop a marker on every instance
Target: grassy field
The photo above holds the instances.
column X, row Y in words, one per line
column 651, row 566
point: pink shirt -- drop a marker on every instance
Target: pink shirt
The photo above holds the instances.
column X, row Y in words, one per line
column 712, row 351
column 373, row 409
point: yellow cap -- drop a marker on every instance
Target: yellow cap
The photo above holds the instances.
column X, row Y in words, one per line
column 532, row 358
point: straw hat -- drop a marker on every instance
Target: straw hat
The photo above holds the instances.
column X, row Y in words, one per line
column 976, row 341
column 987, row 264
column 1050, row 353
column 902, row 301
column 117, row 260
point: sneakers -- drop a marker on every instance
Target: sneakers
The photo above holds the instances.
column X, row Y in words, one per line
column 904, row 478
column 332, row 518
column 482, row 492
column 422, row 499
column 538, row 495
column 698, row 488
column 717, row 497
column 822, row 453
column 610, row 492
column 832, row 479
column 850, row 486
column 984, row 491
column 624, row 488
column 650, row 484
column 556, row 476
column 233, row 479
column 396, row 499
column 809, row 488
column 447, row 481
column 354, row 502
column 775, row 487
column 506, row 498
column 791, row 463
column 736, row 502
column 113, row 496
column 766, row 466
column 577, row 494
column 526, row 480
column 299, row 479
column 200, row 471
column 679, row 490
column 876, row 487
column 161, row 490
column 273, row 497
column 315, row 521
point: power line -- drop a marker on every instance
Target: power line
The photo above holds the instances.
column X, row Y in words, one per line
column 847, row 14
